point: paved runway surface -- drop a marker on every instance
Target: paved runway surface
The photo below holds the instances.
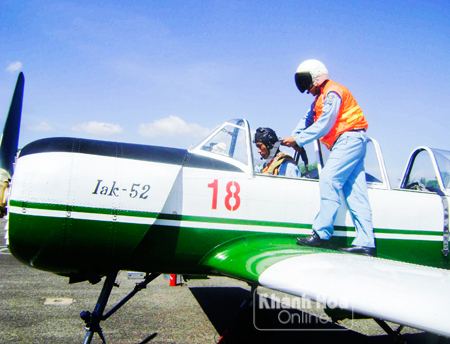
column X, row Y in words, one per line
column 39, row 307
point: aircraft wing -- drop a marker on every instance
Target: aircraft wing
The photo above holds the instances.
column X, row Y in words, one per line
column 406, row 294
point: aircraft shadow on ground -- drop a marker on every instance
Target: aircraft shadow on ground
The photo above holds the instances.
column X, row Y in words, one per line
column 222, row 307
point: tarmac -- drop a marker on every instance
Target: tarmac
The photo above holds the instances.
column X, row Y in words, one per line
column 39, row 307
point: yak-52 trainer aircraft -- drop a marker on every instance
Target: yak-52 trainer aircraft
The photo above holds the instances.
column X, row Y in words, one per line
column 86, row 209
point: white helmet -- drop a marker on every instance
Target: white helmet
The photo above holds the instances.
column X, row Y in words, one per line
column 310, row 73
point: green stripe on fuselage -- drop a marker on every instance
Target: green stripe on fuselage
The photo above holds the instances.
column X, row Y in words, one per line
column 65, row 244
column 190, row 218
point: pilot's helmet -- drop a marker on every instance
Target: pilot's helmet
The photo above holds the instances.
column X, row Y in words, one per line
column 310, row 73
column 266, row 136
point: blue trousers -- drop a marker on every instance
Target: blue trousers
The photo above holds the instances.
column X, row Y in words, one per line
column 345, row 170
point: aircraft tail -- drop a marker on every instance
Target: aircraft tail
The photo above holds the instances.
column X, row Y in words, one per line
column 9, row 141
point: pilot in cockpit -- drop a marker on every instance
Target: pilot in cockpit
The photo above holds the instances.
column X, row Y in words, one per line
column 276, row 162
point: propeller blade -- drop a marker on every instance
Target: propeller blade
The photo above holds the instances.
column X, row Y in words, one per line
column 10, row 138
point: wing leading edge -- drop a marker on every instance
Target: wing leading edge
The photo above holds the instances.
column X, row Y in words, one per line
column 407, row 294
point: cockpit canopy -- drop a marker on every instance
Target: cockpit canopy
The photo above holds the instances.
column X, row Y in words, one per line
column 230, row 142
column 428, row 169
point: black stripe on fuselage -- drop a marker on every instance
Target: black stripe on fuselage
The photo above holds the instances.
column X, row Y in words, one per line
column 165, row 155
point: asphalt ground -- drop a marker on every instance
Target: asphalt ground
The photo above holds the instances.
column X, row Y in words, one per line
column 39, row 307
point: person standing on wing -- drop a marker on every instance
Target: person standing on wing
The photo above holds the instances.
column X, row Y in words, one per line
column 276, row 163
column 336, row 119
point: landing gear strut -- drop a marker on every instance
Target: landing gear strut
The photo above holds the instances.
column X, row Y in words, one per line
column 395, row 335
column 92, row 320
column 243, row 328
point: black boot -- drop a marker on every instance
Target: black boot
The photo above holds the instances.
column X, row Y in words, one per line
column 312, row 240
column 366, row 251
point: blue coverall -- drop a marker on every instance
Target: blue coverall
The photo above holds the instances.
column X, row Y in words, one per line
column 343, row 170
column 289, row 169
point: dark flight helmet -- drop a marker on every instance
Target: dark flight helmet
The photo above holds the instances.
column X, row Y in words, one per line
column 266, row 136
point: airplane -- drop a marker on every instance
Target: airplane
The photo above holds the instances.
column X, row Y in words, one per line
column 87, row 209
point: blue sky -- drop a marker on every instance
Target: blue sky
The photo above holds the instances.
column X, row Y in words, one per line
column 166, row 72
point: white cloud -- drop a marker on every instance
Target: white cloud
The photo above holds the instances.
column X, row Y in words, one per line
column 44, row 126
column 172, row 126
column 98, row 128
column 14, row 67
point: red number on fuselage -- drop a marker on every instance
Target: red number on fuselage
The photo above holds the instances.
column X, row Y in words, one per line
column 233, row 194
column 214, row 185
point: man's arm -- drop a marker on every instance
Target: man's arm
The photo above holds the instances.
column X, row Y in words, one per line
column 302, row 136
column 305, row 122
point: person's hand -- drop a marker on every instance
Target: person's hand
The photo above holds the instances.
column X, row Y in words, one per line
column 289, row 142
column 299, row 149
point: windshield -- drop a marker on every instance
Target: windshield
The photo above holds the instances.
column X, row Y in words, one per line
column 443, row 162
column 230, row 143
column 422, row 172
column 428, row 168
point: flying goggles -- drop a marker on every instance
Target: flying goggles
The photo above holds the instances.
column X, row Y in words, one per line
column 303, row 81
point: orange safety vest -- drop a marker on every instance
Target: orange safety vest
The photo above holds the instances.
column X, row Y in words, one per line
column 274, row 166
column 350, row 115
